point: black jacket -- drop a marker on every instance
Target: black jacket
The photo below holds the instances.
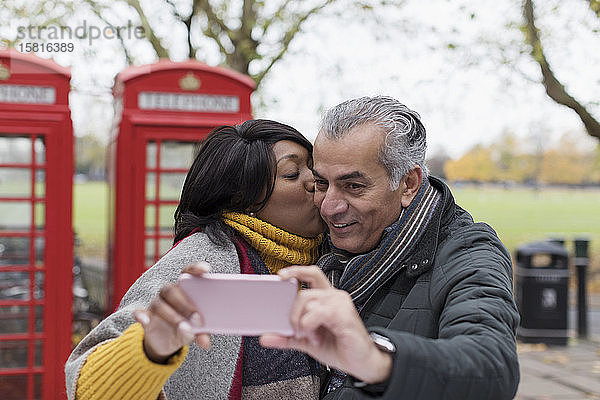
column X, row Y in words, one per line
column 449, row 310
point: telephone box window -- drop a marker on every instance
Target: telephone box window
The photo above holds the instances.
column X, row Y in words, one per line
column 36, row 248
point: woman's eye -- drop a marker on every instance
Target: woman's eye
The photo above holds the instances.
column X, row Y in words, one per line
column 293, row 175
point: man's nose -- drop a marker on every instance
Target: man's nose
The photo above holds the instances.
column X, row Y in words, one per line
column 333, row 203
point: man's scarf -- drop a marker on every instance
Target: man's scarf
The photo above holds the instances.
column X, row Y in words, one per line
column 360, row 275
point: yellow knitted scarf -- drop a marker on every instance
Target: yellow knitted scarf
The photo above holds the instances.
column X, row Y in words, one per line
column 278, row 248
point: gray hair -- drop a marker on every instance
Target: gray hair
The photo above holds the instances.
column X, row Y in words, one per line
column 405, row 139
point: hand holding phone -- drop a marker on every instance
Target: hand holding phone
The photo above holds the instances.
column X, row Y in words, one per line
column 169, row 318
column 241, row 304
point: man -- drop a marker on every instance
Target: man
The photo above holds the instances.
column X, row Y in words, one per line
column 433, row 288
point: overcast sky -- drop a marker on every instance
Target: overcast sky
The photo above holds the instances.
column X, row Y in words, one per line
column 462, row 98
column 460, row 104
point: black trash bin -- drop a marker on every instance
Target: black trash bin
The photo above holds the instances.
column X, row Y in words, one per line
column 542, row 294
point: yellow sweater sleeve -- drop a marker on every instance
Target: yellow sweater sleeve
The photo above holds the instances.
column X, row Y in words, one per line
column 120, row 369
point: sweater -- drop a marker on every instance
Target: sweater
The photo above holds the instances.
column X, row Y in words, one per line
column 202, row 374
column 92, row 371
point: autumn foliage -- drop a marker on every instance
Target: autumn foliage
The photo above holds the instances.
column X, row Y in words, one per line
column 513, row 160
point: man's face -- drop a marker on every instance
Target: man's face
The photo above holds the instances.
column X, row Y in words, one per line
column 352, row 188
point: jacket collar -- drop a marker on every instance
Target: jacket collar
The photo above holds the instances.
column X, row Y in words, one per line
column 421, row 260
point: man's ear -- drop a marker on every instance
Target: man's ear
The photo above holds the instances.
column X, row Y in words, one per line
column 412, row 183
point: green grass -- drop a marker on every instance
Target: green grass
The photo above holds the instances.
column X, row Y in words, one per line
column 90, row 217
column 522, row 215
column 519, row 215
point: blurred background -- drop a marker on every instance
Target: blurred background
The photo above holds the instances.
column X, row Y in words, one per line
column 507, row 89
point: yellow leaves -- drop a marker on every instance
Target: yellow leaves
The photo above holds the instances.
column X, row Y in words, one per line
column 504, row 161
column 559, row 358
column 531, row 347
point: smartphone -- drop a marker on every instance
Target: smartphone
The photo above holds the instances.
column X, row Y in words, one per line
column 241, row 304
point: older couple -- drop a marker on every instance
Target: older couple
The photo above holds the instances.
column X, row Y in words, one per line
column 410, row 299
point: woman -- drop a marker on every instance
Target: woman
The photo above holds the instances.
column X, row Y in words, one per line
column 246, row 207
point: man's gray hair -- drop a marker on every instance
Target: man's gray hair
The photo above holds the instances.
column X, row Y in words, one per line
column 405, row 139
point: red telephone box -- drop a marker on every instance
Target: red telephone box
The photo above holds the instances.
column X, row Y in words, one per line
column 36, row 237
column 164, row 110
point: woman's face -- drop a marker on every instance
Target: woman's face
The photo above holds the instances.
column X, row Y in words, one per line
column 291, row 206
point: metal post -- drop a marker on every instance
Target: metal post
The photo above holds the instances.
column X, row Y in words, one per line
column 581, row 262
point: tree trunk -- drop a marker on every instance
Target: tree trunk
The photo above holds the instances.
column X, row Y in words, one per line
column 554, row 88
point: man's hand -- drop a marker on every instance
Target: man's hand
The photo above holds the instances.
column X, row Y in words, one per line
column 328, row 328
column 168, row 321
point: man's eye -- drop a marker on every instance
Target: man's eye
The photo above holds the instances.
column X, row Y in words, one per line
column 319, row 183
column 355, row 186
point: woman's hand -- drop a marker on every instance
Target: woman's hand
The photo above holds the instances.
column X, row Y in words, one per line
column 328, row 328
column 169, row 319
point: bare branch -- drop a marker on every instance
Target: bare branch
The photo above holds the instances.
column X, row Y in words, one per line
column 289, row 36
column 174, row 6
column 554, row 88
column 97, row 10
column 595, row 6
column 161, row 52
column 209, row 32
column 242, row 40
column 188, row 24
column 248, row 18
column 276, row 16
column 211, row 15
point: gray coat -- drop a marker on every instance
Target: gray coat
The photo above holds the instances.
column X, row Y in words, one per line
column 450, row 313
column 208, row 374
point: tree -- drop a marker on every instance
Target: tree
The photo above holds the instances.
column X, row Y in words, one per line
column 90, row 156
column 568, row 162
column 250, row 36
column 594, row 175
column 436, row 162
column 555, row 89
column 565, row 163
column 511, row 162
column 476, row 165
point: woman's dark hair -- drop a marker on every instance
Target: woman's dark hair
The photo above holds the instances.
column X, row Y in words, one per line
column 233, row 171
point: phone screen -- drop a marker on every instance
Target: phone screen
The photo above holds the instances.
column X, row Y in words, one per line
column 242, row 304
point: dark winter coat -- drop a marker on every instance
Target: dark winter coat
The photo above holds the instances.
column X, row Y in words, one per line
column 450, row 313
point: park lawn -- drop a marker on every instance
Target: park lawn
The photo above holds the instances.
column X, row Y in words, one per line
column 90, row 217
column 522, row 215
column 519, row 215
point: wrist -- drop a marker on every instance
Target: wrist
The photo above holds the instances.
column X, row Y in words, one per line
column 379, row 365
column 378, row 368
column 154, row 356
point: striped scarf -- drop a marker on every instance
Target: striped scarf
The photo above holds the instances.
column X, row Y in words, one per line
column 360, row 275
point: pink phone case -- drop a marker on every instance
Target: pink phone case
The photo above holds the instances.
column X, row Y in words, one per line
column 242, row 304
